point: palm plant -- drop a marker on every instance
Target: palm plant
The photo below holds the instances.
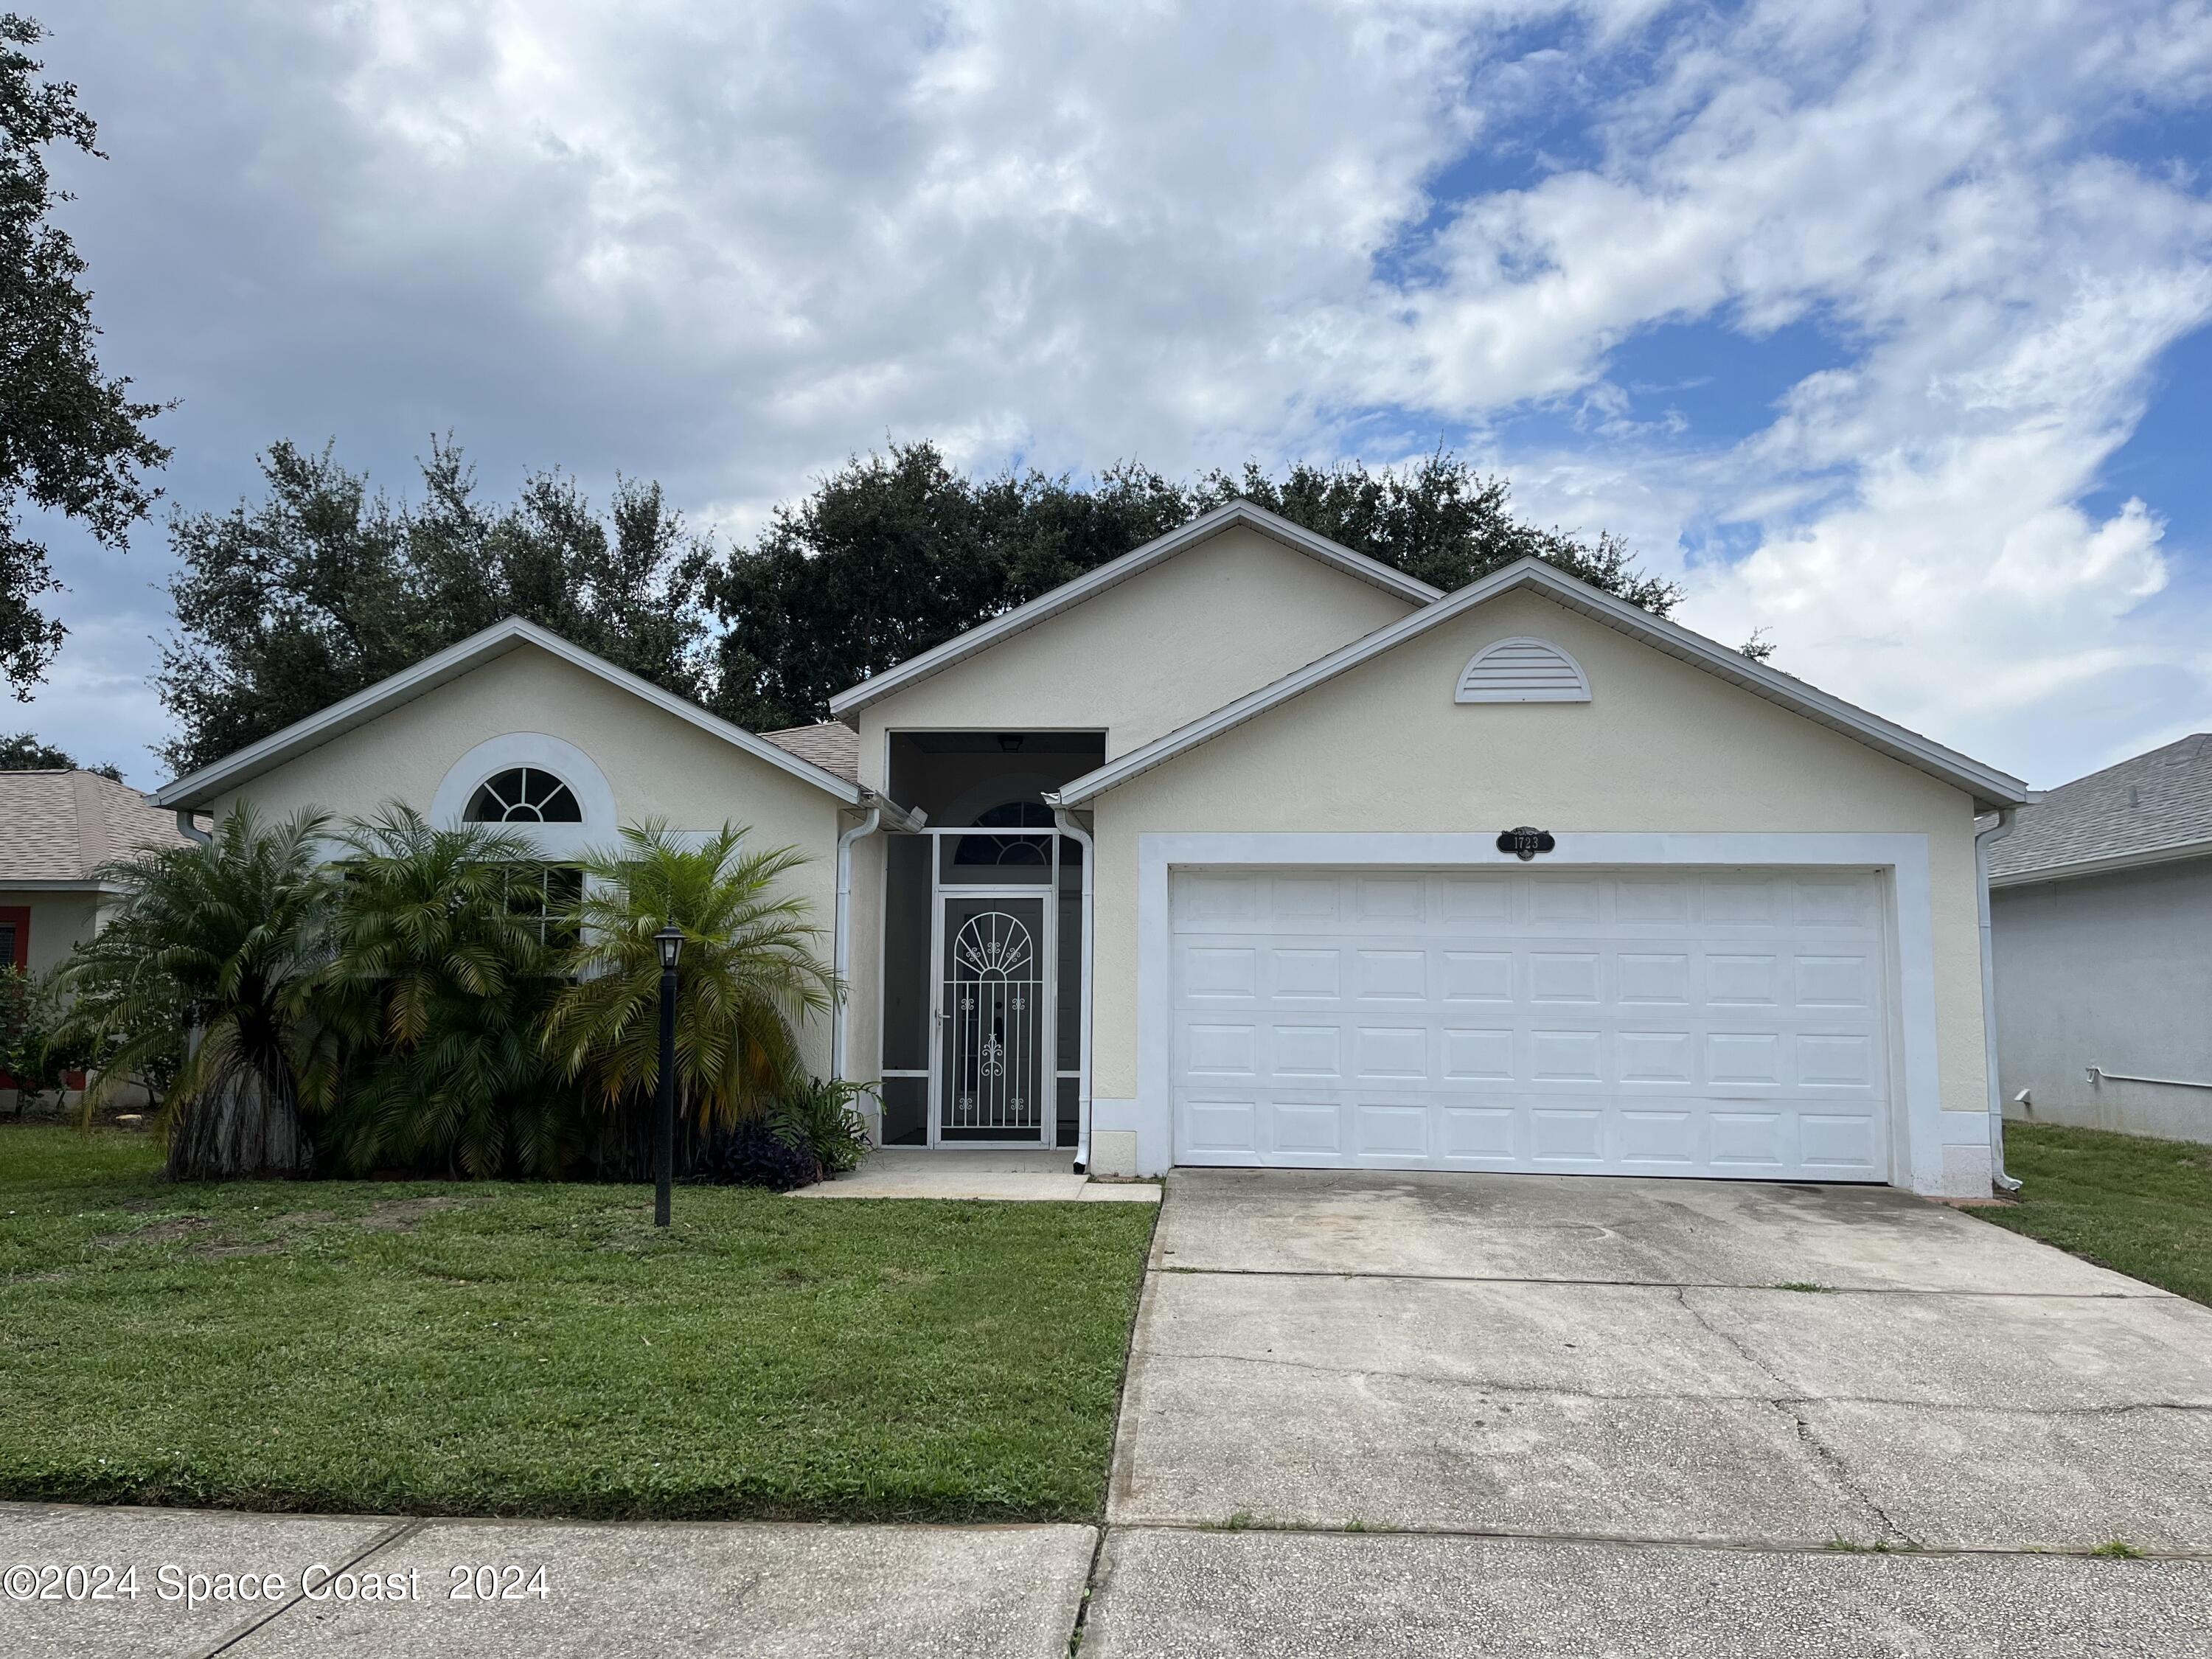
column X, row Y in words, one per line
column 442, row 977
column 208, row 964
column 750, row 974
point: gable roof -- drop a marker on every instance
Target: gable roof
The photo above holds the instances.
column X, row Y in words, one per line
column 2155, row 807
column 1988, row 785
column 828, row 745
column 58, row 827
column 200, row 788
column 1067, row 595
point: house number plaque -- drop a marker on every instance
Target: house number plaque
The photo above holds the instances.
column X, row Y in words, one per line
column 1525, row 842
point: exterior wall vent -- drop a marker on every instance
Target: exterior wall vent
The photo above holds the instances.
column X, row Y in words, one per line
column 1522, row 671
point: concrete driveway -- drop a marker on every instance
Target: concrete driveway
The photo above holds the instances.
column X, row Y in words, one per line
column 1409, row 1413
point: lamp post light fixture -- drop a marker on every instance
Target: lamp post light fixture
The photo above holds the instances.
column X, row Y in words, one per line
column 670, row 939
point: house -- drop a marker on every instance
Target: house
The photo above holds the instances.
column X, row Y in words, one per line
column 1244, row 848
column 2101, row 910
column 57, row 829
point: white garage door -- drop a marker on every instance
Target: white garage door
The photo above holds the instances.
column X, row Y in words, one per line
column 1713, row 1022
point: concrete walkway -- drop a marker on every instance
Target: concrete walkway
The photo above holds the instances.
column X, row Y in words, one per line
column 1406, row 1416
column 1014, row 1175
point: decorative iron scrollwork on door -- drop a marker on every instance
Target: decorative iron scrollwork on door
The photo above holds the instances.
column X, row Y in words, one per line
column 995, row 993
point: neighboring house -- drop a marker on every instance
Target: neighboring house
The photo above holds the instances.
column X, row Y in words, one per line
column 57, row 829
column 2101, row 910
column 1209, row 856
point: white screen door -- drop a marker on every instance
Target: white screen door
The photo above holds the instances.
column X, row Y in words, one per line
column 991, row 1062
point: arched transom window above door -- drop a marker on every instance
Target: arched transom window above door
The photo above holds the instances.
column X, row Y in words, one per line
column 523, row 794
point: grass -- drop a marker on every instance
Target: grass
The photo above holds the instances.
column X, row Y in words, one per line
column 536, row 1349
column 2142, row 1207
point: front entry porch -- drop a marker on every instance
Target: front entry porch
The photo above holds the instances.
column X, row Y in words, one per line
column 984, row 962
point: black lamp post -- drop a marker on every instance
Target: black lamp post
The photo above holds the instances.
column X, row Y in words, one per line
column 671, row 941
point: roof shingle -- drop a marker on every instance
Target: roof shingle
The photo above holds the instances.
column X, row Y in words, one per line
column 2158, row 802
column 62, row 826
column 827, row 743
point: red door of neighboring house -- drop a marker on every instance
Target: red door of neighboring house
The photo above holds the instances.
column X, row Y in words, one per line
column 15, row 948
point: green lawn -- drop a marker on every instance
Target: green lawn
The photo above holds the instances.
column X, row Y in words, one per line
column 529, row 1349
column 2142, row 1206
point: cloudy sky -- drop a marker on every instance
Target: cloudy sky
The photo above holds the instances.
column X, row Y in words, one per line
column 1883, row 326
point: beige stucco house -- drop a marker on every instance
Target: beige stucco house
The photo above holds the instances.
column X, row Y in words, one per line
column 57, row 829
column 1247, row 849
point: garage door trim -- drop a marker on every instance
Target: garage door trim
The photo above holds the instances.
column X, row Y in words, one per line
column 1914, row 1141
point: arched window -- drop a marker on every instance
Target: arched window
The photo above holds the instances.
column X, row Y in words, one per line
column 523, row 794
column 1009, row 849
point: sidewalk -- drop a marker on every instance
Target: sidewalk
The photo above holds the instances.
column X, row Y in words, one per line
column 363, row 1586
column 354, row 1588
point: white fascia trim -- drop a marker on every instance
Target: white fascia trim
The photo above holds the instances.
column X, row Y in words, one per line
column 2175, row 853
column 62, row 883
column 935, row 661
column 1919, row 1130
column 1989, row 787
column 201, row 787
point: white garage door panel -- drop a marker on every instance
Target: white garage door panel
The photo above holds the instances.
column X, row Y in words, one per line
column 1711, row 1023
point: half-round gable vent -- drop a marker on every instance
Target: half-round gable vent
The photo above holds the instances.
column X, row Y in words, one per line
column 1522, row 671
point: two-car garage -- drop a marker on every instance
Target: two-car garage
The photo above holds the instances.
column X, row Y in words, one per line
column 1715, row 1022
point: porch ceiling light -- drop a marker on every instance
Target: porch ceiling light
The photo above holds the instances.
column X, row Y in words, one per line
column 670, row 942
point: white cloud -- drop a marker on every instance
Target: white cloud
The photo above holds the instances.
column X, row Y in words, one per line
column 725, row 245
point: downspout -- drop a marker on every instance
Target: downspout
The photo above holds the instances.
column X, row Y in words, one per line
column 841, row 952
column 189, row 827
column 1064, row 819
column 1985, row 840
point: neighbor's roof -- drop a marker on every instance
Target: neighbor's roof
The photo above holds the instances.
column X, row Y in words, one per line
column 832, row 747
column 1988, row 785
column 58, row 827
column 2155, row 807
column 1138, row 560
column 201, row 788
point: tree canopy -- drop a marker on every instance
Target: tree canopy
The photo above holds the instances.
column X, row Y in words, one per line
column 287, row 605
column 324, row 586
column 25, row 751
column 895, row 553
column 72, row 438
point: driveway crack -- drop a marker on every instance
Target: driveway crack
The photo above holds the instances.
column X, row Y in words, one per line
column 1825, row 1456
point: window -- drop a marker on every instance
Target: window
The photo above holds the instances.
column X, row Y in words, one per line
column 523, row 794
column 1009, row 849
column 548, row 897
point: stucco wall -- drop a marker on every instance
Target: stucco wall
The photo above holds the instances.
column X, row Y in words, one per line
column 1662, row 746
column 2111, row 970
column 59, row 923
column 1142, row 658
column 1149, row 654
column 655, row 765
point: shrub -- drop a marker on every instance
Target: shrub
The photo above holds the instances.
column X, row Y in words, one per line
column 821, row 1116
column 225, row 940
column 760, row 1152
column 749, row 974
column 441, row 979
column 32, row 1051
